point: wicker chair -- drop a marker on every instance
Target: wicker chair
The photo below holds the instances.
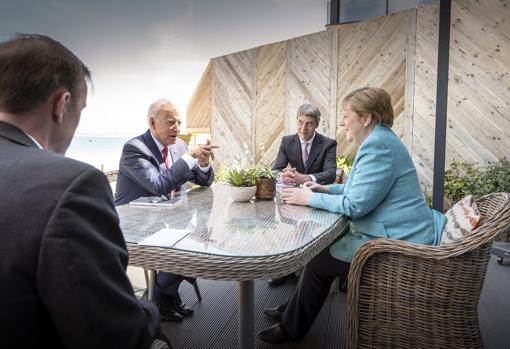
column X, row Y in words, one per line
column 403, row 295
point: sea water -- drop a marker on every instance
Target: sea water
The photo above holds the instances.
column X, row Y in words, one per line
column 102, row 152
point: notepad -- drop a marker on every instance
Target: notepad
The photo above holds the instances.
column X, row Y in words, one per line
column 155, row 201
column 165, row 237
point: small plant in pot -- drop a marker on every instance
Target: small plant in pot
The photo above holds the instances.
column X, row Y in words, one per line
column 266, row 184
column 242, row 182
column 343, row 167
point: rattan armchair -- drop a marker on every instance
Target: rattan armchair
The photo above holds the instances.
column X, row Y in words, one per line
column 402, row 295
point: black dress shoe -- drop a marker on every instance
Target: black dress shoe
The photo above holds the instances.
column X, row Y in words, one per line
column 167, row 310
column 281, row 280
column 179, row 306
column 276, row 312
column 275, row 335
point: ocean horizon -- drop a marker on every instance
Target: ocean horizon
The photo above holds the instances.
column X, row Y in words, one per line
column 100, row 151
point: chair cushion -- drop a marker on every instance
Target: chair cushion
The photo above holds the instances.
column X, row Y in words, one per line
column 463, row 218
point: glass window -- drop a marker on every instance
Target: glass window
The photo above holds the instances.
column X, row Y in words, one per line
column 401, row 5
column 358, row 10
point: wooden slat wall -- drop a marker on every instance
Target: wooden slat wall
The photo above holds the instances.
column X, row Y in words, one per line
column 425, row 92
column 310, row 77
column 479, row 85
column 255, row 93
column 232, row 110
column 270, row 100
column 372, row 53
column 199, row 111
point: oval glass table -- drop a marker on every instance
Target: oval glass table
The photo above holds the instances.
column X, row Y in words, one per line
column 219, row 239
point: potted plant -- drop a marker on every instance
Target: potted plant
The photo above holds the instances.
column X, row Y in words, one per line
column 343, row 167
column 266, row 183
column 242, row 182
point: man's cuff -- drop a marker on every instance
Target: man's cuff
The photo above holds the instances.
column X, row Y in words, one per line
column 190, row 160
column 312, row 177
column 205, row 169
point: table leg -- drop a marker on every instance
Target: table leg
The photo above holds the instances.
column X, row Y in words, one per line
column 152, row 282
column 246, row 327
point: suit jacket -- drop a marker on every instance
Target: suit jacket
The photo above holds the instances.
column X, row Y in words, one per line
column 321, row 160
column 382, row 197
column 142, row 171
column 63, row 259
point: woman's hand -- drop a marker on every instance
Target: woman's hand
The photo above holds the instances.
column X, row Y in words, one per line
column 316, row 188
column 296, row 196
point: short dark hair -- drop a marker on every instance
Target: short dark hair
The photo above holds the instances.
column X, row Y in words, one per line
column 32, row 67
column 310, row 110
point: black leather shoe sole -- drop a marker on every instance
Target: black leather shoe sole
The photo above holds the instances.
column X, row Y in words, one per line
column 172, row 317
column 281, row 280
column 274, row 313
column 274, row 335
column 185, row 311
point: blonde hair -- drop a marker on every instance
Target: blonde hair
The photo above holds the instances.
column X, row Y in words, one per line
column 371, row 101
column 161, row 107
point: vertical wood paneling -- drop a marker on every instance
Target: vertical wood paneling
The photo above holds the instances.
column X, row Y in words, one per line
column 231, row 125
column 372, row 53
column 199, row 111
column 310, row 77
column 270, row 101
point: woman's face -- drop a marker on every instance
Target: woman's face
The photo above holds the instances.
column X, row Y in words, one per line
column 356, row 127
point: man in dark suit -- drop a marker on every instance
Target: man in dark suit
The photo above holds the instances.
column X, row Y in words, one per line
column 311, row 156
column 63, row 259
column 159, row 163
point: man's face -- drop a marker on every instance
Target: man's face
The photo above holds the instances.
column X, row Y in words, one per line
column 306, row 126
column 71, row 119
column 166, row 128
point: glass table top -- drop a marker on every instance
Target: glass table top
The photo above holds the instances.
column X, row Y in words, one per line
column 217, row 225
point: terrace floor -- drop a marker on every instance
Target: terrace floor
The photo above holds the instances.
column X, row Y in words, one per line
column 215, row 326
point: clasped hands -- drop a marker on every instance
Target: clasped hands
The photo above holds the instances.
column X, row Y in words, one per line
column 302, row 196
column 202, row 153
column 293, row 177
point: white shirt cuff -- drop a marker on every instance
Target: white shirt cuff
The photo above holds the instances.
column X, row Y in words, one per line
column 190, row 160
column 312, row 177
column 205, row 168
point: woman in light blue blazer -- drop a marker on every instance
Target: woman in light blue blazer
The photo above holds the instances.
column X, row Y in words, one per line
column 382, row 198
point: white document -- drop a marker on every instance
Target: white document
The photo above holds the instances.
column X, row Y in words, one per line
column 165, row 237
column 155, row 201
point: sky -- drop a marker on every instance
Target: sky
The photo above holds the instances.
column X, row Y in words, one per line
column 139, row 51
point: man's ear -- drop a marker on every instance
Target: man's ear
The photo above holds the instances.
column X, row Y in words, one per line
column 60, row 105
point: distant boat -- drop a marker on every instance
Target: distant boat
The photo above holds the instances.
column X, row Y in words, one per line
column 90, row 140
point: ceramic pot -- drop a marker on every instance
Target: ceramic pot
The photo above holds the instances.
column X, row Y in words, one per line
column 241, row 194
column 266, row 189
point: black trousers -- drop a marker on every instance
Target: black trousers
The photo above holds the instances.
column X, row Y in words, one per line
column 311, row 292
column 168, row 283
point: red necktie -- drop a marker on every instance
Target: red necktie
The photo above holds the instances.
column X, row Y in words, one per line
column 166, row 160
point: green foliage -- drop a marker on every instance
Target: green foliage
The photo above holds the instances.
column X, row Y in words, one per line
column 344, row 163
column 238, row 176
column 265, row 171
column 463, row 179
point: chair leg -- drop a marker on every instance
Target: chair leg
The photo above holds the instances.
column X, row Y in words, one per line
column 197, row 290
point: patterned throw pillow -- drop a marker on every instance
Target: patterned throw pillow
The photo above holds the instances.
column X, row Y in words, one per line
column 463, row 218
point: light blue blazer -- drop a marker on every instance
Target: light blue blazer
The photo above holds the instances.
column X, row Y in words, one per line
column 382, row 197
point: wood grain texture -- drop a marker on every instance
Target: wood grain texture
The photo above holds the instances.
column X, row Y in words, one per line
column 372, row 53
column 199, row 111
column 270, row 100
